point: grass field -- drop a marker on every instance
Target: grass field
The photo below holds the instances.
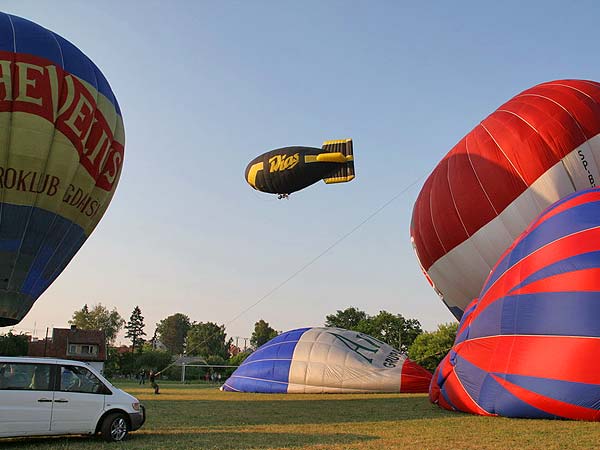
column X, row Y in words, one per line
column 185, row 417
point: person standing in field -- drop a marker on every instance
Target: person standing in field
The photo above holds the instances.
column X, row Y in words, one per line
column 152, row 379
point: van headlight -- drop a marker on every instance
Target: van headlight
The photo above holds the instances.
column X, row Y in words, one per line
column 135, row 406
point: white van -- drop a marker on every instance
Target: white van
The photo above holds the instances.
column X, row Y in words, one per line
column 47, row 396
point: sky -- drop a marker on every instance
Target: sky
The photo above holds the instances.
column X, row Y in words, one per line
column 204, row 87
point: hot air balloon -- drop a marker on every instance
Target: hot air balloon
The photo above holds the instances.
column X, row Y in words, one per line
column 327, row 360
column 535, row 149
column 529, row 345
column 289, row 169
column 61, row 152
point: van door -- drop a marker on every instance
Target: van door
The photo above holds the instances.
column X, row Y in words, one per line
column 78, row 402
column 25, row 398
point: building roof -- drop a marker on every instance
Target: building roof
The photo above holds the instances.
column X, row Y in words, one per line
column 58, row 345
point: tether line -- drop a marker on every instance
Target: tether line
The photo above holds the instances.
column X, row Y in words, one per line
column 312, row 261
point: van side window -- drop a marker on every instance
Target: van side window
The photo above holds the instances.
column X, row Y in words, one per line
column 80, row 379
column 18, row 376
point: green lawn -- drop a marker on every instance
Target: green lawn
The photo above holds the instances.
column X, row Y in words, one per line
column 185, row 417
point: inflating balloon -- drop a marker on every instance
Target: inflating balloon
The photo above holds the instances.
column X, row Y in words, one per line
column 61, row 152
column 534, row 150
column 529, row 346
column 327, row 360
column 286, row 170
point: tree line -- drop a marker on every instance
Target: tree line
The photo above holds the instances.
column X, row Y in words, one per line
column 425, row 348
column 178, row 335
column 173, row 336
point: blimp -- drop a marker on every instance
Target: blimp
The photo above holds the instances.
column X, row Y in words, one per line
column 290, row 169
column 327, row 360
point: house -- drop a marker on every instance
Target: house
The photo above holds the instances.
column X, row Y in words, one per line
column 73, row 343
column 158, row 345
column 123, row 349
column 234, row 350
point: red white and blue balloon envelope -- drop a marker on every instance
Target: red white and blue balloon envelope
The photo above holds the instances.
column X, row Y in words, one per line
column 538, row 147
column 327, row 360
column 530, row 345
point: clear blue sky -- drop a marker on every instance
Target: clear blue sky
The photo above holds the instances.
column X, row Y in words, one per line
column 206, row 86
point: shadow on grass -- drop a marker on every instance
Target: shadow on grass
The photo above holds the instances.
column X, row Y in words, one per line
column 228, row 440
column 227, row 424
column 232, row 413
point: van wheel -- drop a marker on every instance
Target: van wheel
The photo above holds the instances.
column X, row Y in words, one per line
column 114, row 427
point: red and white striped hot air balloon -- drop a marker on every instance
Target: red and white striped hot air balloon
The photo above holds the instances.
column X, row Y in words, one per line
column 538, row 147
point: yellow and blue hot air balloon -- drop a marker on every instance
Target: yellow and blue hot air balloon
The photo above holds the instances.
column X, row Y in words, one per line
column 61, row 153
column 289, row 169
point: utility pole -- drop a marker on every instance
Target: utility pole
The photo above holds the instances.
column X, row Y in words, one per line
column 46, row 342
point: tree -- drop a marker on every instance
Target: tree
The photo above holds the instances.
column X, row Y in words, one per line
column 235, row 360
column 392, row 329
column 429, row 349
column 208, row 339
column 14, row 344
column 347, row 319
column 126, row 363
column 172, row 332
column 111, row 365
column 135, row 329
column 153, row 360
column 262, row 333
column 99, row 318
column 238, row 359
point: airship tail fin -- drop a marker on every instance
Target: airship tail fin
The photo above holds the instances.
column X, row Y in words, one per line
column 346, row 171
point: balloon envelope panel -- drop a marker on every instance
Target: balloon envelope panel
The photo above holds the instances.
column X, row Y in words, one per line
column 327, row 360
column 61, row 152
column 535, row 149
column 530, row 345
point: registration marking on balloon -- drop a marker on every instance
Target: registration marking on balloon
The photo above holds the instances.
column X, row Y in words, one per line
column 585, row 164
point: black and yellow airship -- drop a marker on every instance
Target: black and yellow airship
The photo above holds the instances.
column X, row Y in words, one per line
column 289, row 169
